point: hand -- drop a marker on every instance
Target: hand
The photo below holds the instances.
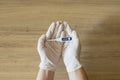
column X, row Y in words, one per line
column 71, row 50
column 50, row 52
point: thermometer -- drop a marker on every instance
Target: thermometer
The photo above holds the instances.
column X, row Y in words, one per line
column 64, row 39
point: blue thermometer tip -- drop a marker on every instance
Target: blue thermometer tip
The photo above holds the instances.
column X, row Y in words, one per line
column 66, row 38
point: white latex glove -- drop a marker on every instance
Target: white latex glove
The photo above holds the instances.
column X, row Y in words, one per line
column 50, row 52
column 71, row 50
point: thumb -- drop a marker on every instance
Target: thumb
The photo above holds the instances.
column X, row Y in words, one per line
column 75, row 35
column 41, row 41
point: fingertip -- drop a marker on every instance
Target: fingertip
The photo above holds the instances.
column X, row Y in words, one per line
column 50, row 30
column 41, row 40
column 52, row 24
column 65, row 22
column 57, row 23
column 42, row 37
column 74, row 34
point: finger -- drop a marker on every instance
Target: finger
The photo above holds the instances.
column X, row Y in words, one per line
column 50, row 31
column 56, row 29
column 60, row 29
column 62, row 34
column 67, row 28
column 75, row 35
column 41, row 41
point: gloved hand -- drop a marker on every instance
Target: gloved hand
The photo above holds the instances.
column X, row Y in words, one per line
column 71, row 50
column 50, row 52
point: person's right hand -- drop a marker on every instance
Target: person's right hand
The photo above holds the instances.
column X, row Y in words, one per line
column 50, row 51
column 71, row 50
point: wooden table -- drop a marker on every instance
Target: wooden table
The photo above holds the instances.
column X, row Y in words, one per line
column 23, row 21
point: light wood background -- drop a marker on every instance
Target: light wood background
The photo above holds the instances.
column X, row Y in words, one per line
column 23, row 21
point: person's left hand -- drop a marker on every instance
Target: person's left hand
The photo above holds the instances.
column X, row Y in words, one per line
column 71, row 50
column 50, row 51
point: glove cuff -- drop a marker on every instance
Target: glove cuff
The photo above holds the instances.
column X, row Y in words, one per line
column 47, row 66
column 73, row 65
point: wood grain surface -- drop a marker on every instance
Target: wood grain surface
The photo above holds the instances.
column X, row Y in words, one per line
column 23, row 21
